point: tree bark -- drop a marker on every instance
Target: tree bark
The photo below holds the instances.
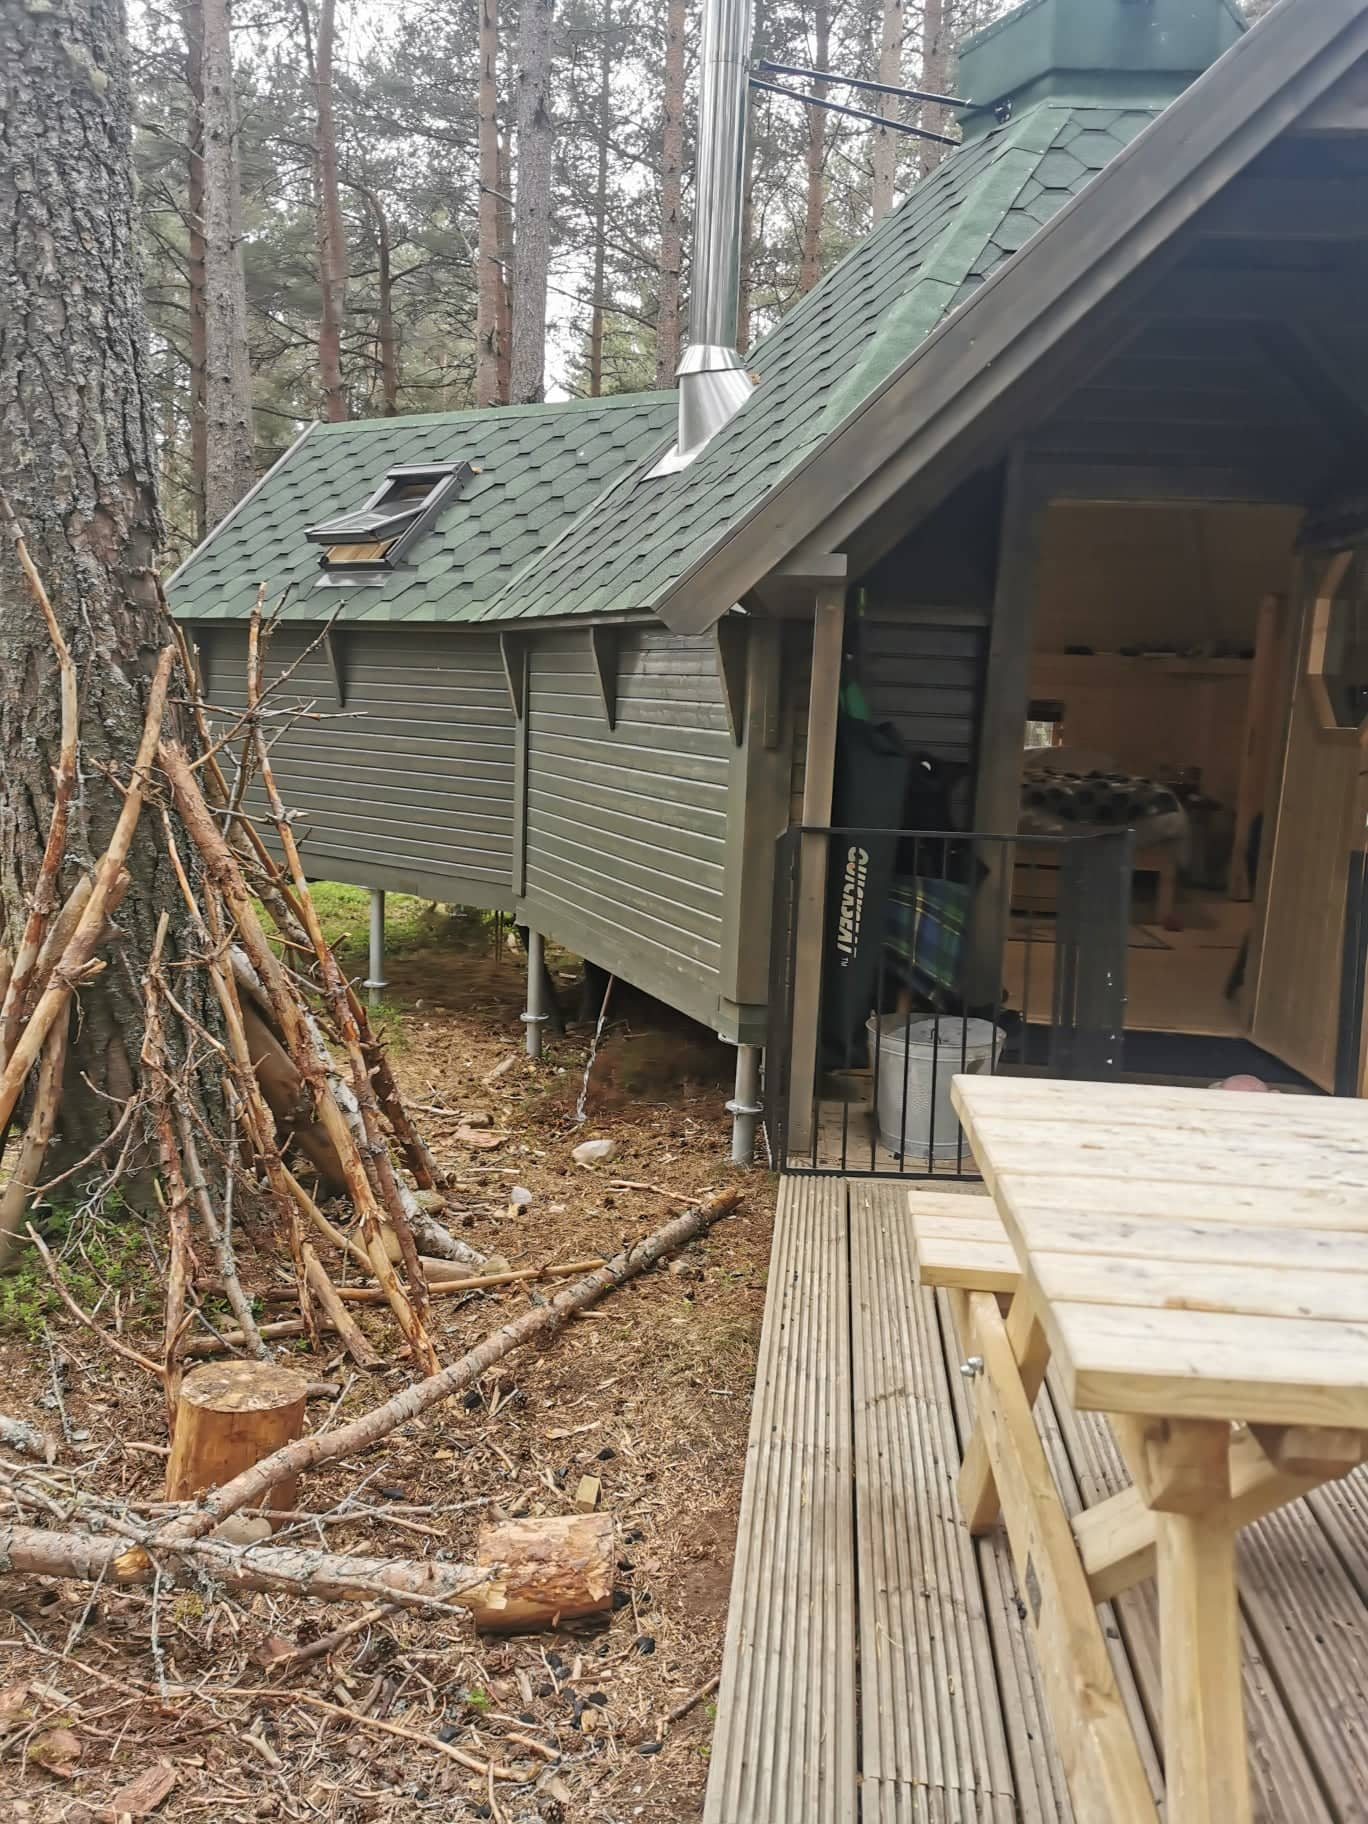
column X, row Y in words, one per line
column 489, row 279
column 386, row 330
column 743, row 297
column 935, row 75
column 194, row 262
column 532, row 231
column 505, row 273
column 77, row 455
column 811, row 268
column 529, row 1573
column 669, row 284
column 604, row 131
column 332, row 245
column 230, row 463
column 886, row 143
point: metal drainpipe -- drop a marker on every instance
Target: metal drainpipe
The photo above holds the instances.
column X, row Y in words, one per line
column 375, row 984
column 535, row 1017
column 744, row 1107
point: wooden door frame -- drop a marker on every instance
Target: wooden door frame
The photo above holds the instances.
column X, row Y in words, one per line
column 1312, row 602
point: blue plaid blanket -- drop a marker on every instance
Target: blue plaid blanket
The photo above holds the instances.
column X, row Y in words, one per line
column 925, row 931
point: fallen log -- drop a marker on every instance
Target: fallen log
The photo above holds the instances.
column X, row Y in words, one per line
column 529, row 1574
column 251, row 1486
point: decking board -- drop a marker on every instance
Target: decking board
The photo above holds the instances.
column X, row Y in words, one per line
column 929, row 1739
column 785, row 1740
column 878, row 1664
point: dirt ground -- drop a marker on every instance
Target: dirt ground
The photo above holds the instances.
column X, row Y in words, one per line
column 650, row 1393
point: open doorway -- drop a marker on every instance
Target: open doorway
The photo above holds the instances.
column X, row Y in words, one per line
column 1161, row 640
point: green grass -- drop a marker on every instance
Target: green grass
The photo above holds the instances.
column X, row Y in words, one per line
column 95, row 1254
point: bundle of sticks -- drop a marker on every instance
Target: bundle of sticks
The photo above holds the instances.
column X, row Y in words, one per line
column 296, row 1058
column 280, row 1088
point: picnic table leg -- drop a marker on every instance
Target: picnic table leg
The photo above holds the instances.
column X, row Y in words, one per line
column 978, row 1497
column 1096, row 1743
column 1206, row 1763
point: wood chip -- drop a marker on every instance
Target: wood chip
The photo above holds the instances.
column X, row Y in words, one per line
column 57, row 1751
column 141, row 1797
column 587, row 1494
column 478, row 1137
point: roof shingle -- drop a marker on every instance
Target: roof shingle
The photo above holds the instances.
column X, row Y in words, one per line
column 539, row 467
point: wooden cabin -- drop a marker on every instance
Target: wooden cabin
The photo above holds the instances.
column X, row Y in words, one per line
column 1077, row 439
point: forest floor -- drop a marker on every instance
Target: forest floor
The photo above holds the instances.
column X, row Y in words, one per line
column 649, row 1393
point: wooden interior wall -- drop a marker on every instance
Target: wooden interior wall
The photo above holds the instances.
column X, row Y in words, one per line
column 1178, row 577
column 1151, row 715
column 1116, row 575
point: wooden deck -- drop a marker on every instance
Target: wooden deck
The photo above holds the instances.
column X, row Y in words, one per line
column 878, row 1666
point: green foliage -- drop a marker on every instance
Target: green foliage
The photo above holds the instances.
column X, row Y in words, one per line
column 96, row 1253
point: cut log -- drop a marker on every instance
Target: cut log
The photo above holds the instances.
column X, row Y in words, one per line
column 552, row 1571
column 529, row 1574
column 229, row 1416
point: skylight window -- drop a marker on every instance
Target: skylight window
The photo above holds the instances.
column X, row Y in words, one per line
column 363, row 546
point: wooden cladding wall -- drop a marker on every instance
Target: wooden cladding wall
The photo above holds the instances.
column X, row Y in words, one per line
column 927, row 679
column 409, row 784
column 626, row 826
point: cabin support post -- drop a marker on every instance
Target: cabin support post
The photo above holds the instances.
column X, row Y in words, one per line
column 819, row 771
column 535, row 1017
column 375, row 983
column 744, row 1107
column 1002, row 740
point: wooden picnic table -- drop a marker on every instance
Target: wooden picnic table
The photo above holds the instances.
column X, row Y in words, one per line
column 1196, row 1264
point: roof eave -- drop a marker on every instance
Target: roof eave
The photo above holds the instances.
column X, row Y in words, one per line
column 1239, row 107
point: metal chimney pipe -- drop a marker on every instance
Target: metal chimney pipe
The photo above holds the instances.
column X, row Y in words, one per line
column 713, row 383
column 724, row 75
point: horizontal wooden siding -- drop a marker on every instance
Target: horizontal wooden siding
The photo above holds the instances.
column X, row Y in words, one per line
column 927, row 680
column 410, row 785
column 626, row 827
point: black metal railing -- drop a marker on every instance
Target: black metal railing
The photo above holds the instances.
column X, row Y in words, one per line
column 902, row 958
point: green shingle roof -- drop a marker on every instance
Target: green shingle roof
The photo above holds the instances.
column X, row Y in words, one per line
column 563, row 517
column 539, row 467
column 831, row 352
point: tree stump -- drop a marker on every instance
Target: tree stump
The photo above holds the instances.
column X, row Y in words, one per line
column 229, row 1416
column 552, row 1570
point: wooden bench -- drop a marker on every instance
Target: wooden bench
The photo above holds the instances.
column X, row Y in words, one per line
column 960, row 1242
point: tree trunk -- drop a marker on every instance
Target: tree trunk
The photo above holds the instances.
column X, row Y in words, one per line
column 743, row 290
column 332, row 245
column 811, row 269
column 489, row 279
column 670, row 282
column 886, row 143
column 532, row 241
column 505, row 274
column 386, row 330
column 935, row 75
column 194, row 260
column 604, row 130
column 230, row 463
column 76, row 454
